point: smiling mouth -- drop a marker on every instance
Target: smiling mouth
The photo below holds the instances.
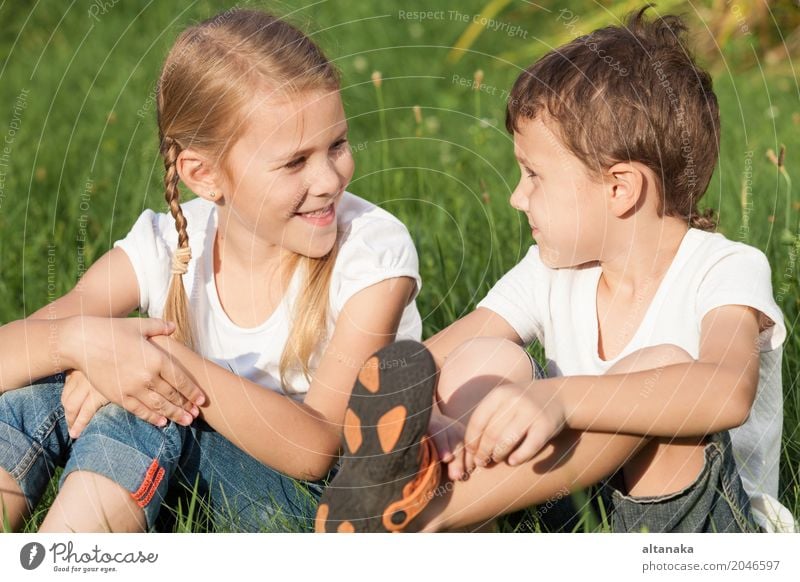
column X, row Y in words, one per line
column 320, row 213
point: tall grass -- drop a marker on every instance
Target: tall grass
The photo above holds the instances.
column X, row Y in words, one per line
column 84, row 162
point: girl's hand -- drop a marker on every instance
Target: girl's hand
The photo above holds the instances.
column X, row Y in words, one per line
column 448, row 435
column 81, row 401
column 513, row 422
column 117, row 359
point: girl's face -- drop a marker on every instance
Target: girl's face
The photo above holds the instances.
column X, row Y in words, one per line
column 564, row 206
column 287, row 172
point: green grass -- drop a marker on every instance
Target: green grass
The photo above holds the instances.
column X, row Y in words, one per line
column 448, row 178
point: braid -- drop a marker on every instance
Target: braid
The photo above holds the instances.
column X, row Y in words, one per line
column 176, row 308
column 703, row 220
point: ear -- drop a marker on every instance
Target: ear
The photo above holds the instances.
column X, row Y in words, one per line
column 626, row 183
column 199, row 175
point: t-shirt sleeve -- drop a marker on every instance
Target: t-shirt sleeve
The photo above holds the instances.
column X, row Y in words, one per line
column 514, row 297
column 148, row 253
column 374, row 250
column 744, row 277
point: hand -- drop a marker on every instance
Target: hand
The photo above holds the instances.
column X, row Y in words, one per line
column 513, row 422
column 448, row 435
column 81, row 401
column 117, row 359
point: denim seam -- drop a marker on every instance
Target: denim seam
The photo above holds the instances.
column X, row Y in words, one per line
column 36, row 450
column 732, row 501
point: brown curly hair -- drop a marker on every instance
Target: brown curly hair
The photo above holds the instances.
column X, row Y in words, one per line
column 631, row 93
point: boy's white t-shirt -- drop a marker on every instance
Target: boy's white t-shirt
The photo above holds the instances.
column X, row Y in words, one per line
column 375, row 246
column 558, row 307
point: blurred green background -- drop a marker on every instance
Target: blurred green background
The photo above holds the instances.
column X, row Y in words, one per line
column 81, row 162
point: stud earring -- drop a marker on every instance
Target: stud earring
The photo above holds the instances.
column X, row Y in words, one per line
column 212, row 194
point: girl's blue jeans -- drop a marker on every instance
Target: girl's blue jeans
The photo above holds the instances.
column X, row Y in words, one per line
column 238, row 492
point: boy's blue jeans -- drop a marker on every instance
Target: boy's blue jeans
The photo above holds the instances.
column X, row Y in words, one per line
column 241, row 493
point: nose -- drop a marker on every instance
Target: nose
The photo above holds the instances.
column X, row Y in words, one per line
column 519, row 200
column 325, row 179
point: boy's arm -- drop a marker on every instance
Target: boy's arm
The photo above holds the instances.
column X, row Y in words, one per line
column 713, row 393
column 479, row 323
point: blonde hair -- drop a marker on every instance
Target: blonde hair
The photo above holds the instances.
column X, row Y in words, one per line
column 212, row 72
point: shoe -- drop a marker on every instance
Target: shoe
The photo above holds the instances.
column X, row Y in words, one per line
column 390, row 469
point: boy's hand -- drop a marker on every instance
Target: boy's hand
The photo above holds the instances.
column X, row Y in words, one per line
column 513, row 423
column 448, row 435
column 80, row 401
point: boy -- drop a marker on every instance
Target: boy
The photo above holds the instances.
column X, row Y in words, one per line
column 656, row 331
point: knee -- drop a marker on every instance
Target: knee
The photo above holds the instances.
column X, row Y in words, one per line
column 483, row 356
column 650, row 358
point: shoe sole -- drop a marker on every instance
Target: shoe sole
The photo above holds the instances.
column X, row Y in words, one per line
column 385, row 422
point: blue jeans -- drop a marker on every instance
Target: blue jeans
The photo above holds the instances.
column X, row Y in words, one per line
column 241, row 493
column 714, row 502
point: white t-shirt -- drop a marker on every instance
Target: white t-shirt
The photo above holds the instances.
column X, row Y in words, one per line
column 557, row 307
column 376, row 246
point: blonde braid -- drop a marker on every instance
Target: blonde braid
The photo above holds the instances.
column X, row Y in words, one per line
column 177, row 308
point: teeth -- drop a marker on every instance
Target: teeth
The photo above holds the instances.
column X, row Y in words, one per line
column 318, row 213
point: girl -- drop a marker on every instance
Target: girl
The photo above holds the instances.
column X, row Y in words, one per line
column 279, row 281
column 657, row 332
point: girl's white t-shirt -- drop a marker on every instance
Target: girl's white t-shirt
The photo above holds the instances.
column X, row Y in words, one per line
column 558, row 307
column 374, row 246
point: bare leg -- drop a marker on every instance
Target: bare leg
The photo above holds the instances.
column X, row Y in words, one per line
column 664, row 465
column 571, row 461
column 13, row 507
column 89, row 502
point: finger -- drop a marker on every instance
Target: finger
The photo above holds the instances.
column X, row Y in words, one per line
column 140, row 410
column 511, row 433
column 477, row 424
column 85, row 414
column 469, row 462
column 455, row 437
column 150, row 326
column 71, row 400
column 160, row 405
column 534, row 441
column 507, row 442
column 456, row 469
column 180, row 381
column 442, row 444
column 169, row 393
column 483, row 455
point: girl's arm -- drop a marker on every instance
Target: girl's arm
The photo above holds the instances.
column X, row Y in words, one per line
column 84, row 330
column 299, row 439
column 44, row 343
column 711, row 394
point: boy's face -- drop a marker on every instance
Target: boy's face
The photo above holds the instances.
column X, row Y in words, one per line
column 564, row 206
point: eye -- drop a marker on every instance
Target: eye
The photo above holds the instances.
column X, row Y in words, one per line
column 339, row 145
column 530, row 173
column 296, row 163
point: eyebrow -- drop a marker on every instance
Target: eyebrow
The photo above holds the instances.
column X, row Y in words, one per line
column 522, row 160
column 305, row 152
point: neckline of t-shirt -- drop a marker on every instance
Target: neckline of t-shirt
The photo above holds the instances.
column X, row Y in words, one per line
column 677, row 262
column 216, row 304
